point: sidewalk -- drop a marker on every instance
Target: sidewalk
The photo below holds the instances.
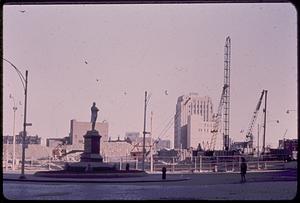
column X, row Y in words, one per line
column 184, row 178
column 148, row 178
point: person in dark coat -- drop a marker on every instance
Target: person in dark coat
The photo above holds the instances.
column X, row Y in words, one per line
column 164, row 171
column 243, row 170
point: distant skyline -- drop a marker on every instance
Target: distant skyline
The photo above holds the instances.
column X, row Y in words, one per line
column 112, row 54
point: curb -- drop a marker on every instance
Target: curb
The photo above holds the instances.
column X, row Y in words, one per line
column 94, row 181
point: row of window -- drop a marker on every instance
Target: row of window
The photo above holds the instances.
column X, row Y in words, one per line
column 204, row 130
column 195, row 109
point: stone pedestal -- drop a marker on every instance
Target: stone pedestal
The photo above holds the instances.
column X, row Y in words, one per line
column 91, row 147
column 90, row 160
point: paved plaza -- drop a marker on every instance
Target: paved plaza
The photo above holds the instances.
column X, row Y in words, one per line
column 265, row 185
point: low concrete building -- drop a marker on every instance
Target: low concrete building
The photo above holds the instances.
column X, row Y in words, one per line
column 78, row 129
column 33, row 152
column 54, row 142
column 114, row 150
column 30, row 139
column 132, row 136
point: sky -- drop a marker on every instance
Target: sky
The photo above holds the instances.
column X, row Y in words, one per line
column 112, row 54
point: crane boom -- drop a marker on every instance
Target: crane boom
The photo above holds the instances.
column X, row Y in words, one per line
column 249, row 135
column 217, row 120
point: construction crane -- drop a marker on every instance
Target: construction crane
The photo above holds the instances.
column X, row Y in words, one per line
column 226, row 99
column 224, row 104
column 217, row 120
column 249, row 134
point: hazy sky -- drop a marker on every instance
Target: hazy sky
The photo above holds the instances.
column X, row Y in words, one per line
column 111, row 54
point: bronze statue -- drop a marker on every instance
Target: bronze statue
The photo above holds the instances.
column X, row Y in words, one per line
column 94, row 111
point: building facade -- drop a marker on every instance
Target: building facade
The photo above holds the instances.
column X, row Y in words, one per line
column 193, row 121
column 29, row 139
column 132, row 136
column 78, row 129
column 288, row 144
column 115, row 150
column 54, row 142
column 198, row 132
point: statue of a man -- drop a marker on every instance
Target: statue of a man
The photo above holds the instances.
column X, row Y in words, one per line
column 94, row 111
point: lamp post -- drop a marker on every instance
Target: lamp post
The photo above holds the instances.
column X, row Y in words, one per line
column 289, row 110
column 23, row 80
column 277, row 121
column 14, row 136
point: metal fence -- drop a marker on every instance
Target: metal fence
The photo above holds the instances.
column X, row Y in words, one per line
column 172, row 164
column 218, row 164
column 201, row 164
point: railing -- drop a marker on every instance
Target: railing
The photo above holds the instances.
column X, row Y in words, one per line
column 172, row 164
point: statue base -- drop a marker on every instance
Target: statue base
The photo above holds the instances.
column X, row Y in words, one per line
column 90, row 159
column 91, row 147
column 89, row 167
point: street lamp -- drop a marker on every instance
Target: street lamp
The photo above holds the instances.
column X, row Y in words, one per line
column 277, row 121
column 14, row 136
column 24, row 81
column 289, row 110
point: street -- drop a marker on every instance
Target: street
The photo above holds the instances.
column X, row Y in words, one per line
column 277, row 185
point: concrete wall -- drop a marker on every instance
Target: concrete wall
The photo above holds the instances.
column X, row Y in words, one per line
column 78, row 129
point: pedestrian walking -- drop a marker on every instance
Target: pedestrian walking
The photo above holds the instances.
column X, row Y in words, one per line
column 243, row 170
column 164, row 171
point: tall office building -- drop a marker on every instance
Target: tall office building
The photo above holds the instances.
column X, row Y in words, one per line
column 193, row 121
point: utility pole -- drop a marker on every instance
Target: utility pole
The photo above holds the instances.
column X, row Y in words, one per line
column 24, row 128
column 151, row 145
column 144, row 132
column 265, row 122
column 258, row 140
column 6, row 159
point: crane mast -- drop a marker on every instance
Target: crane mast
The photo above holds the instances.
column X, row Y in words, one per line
column 226, row 100
column 224, row 105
